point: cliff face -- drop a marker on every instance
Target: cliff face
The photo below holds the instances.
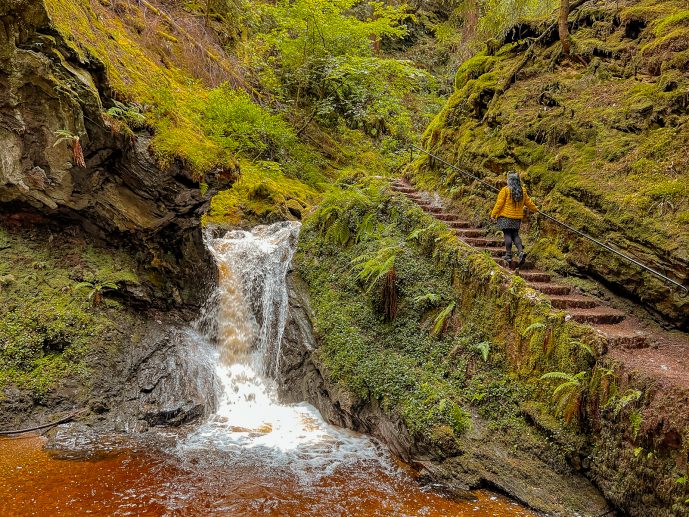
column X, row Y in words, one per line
column 101, row 247
column 600, row 138
column 482, row 458
column 51, row 96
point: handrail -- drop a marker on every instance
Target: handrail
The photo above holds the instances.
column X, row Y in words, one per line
column 557, row 221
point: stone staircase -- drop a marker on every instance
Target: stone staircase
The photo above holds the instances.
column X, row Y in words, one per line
column 580, row 308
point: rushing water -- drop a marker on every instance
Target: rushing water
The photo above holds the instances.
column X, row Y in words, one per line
column 254, row 456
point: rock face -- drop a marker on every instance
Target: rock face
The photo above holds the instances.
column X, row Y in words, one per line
column 120, row 196
column 484, row 460
column 167, row 380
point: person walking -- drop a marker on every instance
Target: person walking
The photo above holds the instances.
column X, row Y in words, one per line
column 509, row 212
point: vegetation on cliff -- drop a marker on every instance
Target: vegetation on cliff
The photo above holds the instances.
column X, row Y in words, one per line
column 599, row 136
column 52, row 312
column 444, row 352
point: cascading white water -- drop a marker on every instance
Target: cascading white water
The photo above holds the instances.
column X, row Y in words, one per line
column 254, row 456
column 250, row 310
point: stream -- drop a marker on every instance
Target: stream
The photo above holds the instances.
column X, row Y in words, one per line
column 254, row 455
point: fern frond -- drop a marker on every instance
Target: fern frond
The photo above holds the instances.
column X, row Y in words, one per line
column 439, row 322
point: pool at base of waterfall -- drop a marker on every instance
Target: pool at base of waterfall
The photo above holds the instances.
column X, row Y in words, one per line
column 254, row 455
column 150, row 481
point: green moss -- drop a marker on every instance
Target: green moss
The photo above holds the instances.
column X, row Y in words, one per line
column 577, row 136
column 433, row 380
column 472, row 69
column 262, row 193
column 667, row 24
column 47, row 326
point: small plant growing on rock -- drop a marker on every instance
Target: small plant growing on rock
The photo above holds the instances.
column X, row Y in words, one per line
column 130, row 114
column 569, row 394
column 483, row 348
column 96, row 290
column 380, row 267
column 64, row 135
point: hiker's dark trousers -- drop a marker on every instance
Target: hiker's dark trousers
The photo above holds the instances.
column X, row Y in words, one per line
column 512, row 236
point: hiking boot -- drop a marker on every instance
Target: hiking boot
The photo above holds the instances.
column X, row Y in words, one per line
column 522, row 258
column 507, row 257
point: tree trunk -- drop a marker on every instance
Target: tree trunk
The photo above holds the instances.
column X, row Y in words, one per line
column 563, row 27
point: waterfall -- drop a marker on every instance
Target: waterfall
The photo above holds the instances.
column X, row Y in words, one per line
column 252, row 294
column 247, row 314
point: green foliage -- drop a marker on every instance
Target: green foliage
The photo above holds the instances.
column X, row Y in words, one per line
column 568, row 395
column 619, row 402
column 401, row 363
column 319, row 55
column 262, row 192
column 483, row 348
column 64, row 135
column 440, row 321
column 129, row 113
column 368, row 92
column 96, row 289
column 232, row 120
column 635, row 420
column 48, row 322
column 371, row 268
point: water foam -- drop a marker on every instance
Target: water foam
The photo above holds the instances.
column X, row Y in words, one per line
column 250, row 310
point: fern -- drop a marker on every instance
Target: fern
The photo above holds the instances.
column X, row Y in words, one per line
column 366, row 229
column 484, row 349
column 442, row 318
column 532, row 328
column 130, row 114
column 428, row 297
column 617, row 404
column 96, row 289
column 64, row 135
column 373, row 268
column 568, row 395
column 585, row 347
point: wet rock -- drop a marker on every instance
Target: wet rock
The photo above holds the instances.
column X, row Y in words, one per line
column 168, row 380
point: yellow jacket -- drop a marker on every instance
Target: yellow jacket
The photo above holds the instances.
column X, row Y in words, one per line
column 505, row 207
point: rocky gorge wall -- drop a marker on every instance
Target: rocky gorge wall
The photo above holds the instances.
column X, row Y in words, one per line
column 472, row 421
column 62, row 221
column 599, row 138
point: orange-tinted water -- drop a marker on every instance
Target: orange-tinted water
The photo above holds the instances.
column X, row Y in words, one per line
column 149, row 482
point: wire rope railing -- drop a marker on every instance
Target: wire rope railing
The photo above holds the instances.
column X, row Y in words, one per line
column 665, row 278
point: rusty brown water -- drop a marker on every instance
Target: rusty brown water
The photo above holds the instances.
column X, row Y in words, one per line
column 254, row 455
column 140, row 482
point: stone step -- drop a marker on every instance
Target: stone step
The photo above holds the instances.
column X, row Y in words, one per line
column 620, row 336
column 403, row 188
column 597, row 315
column 470, row 232
column 493, row 252
column 551, row 289
column 536, row 276
column 463, row 225
column 573, row 301
column 445, row 216
column 486, row 242
column 512, row 267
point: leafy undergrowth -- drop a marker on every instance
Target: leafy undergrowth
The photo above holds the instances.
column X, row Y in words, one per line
column 439, row 345
column 51, row 311
column 600, row 138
